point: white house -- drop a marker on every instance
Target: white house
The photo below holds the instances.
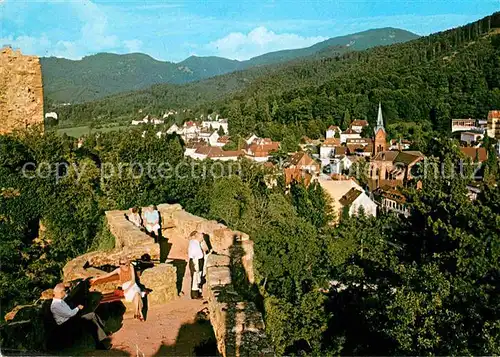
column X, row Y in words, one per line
column 392, row 200
column 213, row 138
column 216, row 124
column 470, row 137
column 337, row 189
column 174, row 129
column 349, row 134
column 251, row 138
column 395, row 144
column 355, row 200
column 358, row 125
column 327, row 149
column 332, row 129
column 171, row 112
column 340, row 164
column 463, row 124
column 214, row 153
column 157, row 121
column 52, row 115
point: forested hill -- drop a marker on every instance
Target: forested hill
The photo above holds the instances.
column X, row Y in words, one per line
column 455, row 73
column 103, row 74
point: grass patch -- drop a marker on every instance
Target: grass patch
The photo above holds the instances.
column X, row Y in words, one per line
column 79, row 131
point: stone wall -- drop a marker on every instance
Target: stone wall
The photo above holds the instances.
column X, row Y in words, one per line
column 132, row 243
column 21, row 91
column 238, row 325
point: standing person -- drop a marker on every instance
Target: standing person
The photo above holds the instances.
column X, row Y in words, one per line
column 64, row 315
column 131, row 290
column 196, row 258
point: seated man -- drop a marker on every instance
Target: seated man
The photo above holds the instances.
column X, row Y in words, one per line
column 64, row 315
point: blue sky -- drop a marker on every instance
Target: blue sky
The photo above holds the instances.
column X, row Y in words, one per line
column 174, row 30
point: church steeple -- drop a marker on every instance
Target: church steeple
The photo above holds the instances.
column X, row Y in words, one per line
column 380, row 120
column 380, row 140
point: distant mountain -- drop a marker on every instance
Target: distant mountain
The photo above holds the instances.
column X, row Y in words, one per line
column 103, row 74
column 354, row 42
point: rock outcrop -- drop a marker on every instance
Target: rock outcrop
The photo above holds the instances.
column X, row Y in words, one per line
column 21, row 91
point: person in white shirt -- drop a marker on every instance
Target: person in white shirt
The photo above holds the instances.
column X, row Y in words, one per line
column 63, row 314
column 196, row 259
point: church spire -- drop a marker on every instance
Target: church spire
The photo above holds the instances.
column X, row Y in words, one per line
column 380, row 119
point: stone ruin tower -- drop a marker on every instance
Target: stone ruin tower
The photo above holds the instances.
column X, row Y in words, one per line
column 21, row 91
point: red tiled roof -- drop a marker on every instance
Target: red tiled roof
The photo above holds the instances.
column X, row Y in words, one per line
column 391, row 193
column 350, row 197
column 494, row 114
column 223, row 139
column 302, row 158
column 350, row 131
column 264, row 149
column 333, row 127
column 359, row 123
column 480, row 153
column 331, row 142
column 297, row 175
column 341, row 150
column 215, row 151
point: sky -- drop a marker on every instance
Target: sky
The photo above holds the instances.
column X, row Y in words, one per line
column 175, row 30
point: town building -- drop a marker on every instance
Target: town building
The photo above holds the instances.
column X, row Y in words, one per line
column 356, row 200
column 471, row 138
column 302, row 161
column 327, row 148
column 493, row 125
column 338, row 189
column 340, row 164
column 358, row 125
column 399, row 144
column 216, row 124
column 293, row 174
column 215, row 153
column 222, row 141
column 392, row 200
column 392, row 168
column 259, row 149
column 332, row 131
column 463, row 125
column 349, row 134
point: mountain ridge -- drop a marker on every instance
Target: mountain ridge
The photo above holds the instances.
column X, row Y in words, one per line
column 105, row 73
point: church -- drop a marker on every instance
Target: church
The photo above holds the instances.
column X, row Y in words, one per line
column 389, row 168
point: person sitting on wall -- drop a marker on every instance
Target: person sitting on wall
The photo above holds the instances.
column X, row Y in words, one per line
column 65, row 316
column 152, row 221
column 135, row 217
column 131, row 290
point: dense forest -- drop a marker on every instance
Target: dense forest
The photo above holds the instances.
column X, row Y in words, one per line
column 428, row 284
column 429, row 80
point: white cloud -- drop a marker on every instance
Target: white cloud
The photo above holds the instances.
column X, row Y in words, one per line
column 133, row 45
column 260, row 40
column 28, row 44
